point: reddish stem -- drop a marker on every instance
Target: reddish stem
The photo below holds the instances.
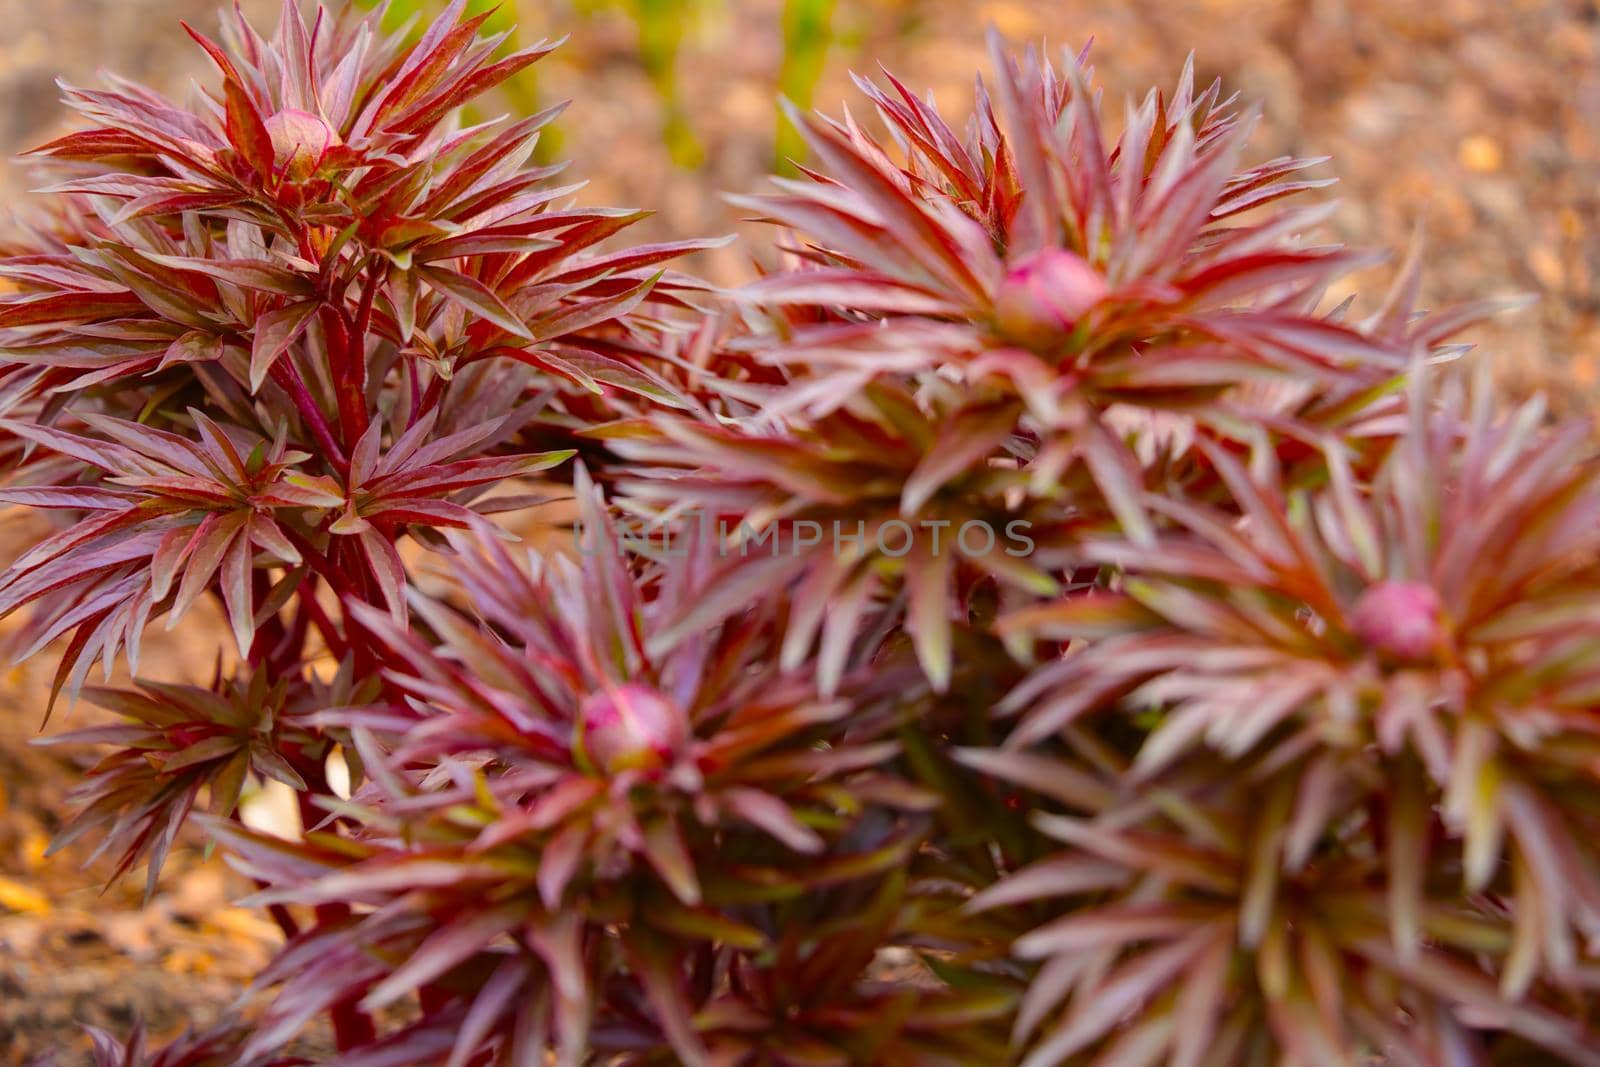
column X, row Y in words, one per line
column 280, row 915
column 279, row 912
column 288, row 652
column 364, row 312
column 271, row 632
column 285, row 374
column 318, row 562
column 416, row 393
column 312, row 611
column 430, row 398
column 352, row 1027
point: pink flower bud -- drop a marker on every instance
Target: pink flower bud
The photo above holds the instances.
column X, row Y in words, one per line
column 631, row 727
column 300, row 142
column 1400, row 620
column 1044, row 296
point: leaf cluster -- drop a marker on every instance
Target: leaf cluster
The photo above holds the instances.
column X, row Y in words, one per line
column 1277, row 743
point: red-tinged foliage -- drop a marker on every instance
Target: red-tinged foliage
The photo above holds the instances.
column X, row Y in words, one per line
column 827, row 993
column 1028, row 626
column 1176, row 933
column 1031, row 324
column 217, row 1046
column 538, row 850
column 177, row 740
column 1399, row 675
column 314, row 259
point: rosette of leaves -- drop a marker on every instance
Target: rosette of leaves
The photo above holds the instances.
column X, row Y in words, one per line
column 1353, row 731
column 176, row 742
column 1027, row 325
column 884, row 512
column 282, row 330
column 1078, row 275
column 566, row 829
column 1303, row 767
column 1180, row 936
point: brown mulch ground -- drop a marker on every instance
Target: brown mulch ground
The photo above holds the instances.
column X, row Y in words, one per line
column 1478, row 120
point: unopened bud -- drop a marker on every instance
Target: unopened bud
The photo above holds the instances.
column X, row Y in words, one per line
column 631, row 727
column 300, row 142
column 1044, row 296
column 1402, row 620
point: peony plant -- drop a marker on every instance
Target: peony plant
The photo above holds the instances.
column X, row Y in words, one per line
column 1025, row 625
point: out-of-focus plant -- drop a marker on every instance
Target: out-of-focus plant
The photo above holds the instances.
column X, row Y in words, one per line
column 1025, row 626
column 806, row 29
column 606, row 830
column 217, row 1046
column 807, row 33
column 266, row 344
column 661, row 25
column 1367, row 706
column 520, row 92
column 952, row 349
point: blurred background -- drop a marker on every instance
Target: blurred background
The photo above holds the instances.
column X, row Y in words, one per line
column 1477, row 120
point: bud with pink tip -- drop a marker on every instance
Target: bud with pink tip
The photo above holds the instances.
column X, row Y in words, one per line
column 1044, row 295
column 1401, row 620
column 630, row 727
column 300, row 142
